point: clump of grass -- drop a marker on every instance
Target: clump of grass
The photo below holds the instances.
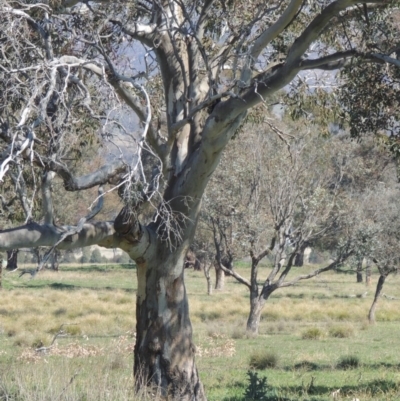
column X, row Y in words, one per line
column 60, row 311
column 73, row 330
column 264, row 360
column 341, row 331
column 312, row 333
column 11, row 332
column 306, row 365
column 348, row 362
column 22, row 341
column 239, row 332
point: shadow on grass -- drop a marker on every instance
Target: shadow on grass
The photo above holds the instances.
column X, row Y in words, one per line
column 69, row 287
column 312, row 366
column 312, row 392
column 98, row 268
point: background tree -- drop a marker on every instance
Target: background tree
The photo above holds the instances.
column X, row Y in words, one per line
column 69, row 76
column 286, row 195
column 376, row 227
column 95, row 256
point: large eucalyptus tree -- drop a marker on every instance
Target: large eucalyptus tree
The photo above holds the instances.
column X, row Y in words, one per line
column 189, row 71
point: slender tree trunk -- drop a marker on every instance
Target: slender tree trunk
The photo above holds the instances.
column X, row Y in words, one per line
column 219, row 277
column 379, row 286
column 253, row 321
column 359, row 271
column 299, row 259
column 207, row 274
column 164, row 352
column 54, row 260
column 12, row 259
column 368, row 273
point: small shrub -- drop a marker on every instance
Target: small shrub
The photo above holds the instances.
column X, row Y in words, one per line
column 348, row 362
column 123, row 258
column 263, row 360
column 313, row 333
column 60, row 311
column 257, row 389
column 73, row 330
column 341, row 331
column 116, row 362
column 21, row 341
column 238, row 333
column 37, row 343
column 11, row 332
column 96, row 257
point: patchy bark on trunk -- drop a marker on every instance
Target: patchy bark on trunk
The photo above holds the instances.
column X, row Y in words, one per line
column 207, row 274
column 219, row 277
column 359, row 272
column 12, row 259
column 368, row 273
column 164, row 351
column 379, row 286
column 299, row 259
column 253, row 321
column 3, row 265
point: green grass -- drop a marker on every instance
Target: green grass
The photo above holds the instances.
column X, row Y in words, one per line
column 97, row 304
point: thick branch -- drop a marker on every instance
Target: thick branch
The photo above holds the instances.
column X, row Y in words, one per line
column 314, row 29
column 102, row 176
column 312, row 274
column 274, row 30
column 237, row 276
column 275, row 78
column 142, row 32
column 383, row 58
column 32, row 235
column 331, row 62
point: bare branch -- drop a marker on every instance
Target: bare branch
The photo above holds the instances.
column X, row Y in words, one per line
column 273, row 31
column 237, row 276
column 331, row 62
column 314, row 29
column 314, row 273
column 102, row 176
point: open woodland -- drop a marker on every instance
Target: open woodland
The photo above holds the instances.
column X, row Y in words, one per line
column 306, row 334
column 232, row 129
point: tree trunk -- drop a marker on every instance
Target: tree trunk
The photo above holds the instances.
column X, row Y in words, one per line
column 219, row 277
column 256, row 305
column 368, row 273
column 359, row 271
column 12, row 261
column 379, row 286
column 164, row 353
column 299, row 259
column 207, row 274
column 54, row 260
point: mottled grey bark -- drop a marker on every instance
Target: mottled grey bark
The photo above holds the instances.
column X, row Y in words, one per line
column 12, row 259
column 359, row 271
column 219, row 277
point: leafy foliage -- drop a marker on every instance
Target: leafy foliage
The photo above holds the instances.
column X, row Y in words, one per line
column 257, row 389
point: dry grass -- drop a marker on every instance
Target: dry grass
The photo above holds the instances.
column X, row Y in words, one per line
column 29, row 315
column 100, row 319
column 216, row 345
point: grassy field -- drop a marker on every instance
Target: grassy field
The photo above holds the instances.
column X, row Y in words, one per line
column 314, row 338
